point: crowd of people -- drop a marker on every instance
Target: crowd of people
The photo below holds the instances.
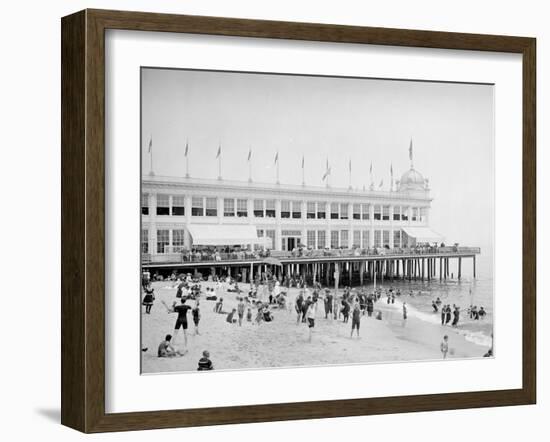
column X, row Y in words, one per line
column 447, row 312
column 218, row 254
column 260, row 301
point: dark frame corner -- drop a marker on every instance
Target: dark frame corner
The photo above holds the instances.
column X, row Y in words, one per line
column 83, row 216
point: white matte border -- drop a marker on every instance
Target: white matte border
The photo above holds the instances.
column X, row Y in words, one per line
column 127, row 390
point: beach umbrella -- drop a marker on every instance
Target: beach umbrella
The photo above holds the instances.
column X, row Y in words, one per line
column 272, row 261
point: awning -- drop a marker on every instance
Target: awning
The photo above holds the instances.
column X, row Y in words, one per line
column 222, row 235
column 423, row 234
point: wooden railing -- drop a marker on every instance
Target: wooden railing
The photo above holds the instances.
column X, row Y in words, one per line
column 205, row 257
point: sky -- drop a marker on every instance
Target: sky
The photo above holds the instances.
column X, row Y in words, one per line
column 340, row 119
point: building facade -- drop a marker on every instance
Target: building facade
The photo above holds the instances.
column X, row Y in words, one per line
column 183, row 213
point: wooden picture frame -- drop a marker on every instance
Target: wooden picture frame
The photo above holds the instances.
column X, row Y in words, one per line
column 83, row 219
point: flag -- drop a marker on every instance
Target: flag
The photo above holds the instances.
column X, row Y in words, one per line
column 219, row 151
column 371, row 168
column 411, row 150
column 186, row 148
column 276, row 158
column 303, row 161
column 350, row 165
column 391, row 169
column 151, row 144
column 327, row 171
column 249, row 154
column 381, row 183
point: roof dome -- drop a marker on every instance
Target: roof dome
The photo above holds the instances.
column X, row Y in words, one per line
column 412, row 180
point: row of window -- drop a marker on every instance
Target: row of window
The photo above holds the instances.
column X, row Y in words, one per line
column 315, row 239
column 163, row 240
column 238, row 207
column 360, row 239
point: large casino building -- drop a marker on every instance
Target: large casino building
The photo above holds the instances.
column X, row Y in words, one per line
column 181, row 214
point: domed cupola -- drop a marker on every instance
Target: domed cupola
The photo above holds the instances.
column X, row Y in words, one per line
column 412, row 179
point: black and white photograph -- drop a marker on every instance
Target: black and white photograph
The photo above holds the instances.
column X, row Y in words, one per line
column 302, row 221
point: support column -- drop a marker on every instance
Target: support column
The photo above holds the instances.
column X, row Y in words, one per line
column 474, row 265
column 429, row 270
column 459, row 267
column 422, row 276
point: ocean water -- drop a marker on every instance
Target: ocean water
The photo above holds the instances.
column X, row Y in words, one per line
column 468, row 291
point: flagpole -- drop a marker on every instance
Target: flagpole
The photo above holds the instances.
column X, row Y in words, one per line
column 220, row 162
column 250, row 165
column 278, row 182
column 349, row 187
column 371, row 187
column 151, row 155
column 411, row 153
column 303, row 176
column 187, row 159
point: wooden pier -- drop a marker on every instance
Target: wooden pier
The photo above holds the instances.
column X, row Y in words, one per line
column 345, row 270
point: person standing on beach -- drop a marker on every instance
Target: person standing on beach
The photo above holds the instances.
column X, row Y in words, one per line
column 355, row 319
column 181, row 321
column 370, row 306
column 443, row 314
column 345, row 310
column 444, row 347
column 310, row 315
column 196, row 312
column 456, row 315
column 240, row 310
column 328, row 303
column 305, row 307
column 148, row 298
column 448, row 314
column 298, row 305
column 404, row 310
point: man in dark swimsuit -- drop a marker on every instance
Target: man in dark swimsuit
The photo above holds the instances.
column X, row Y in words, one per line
column 328, row 303
column 298, row 305
column 181, row 321
column 456, row 316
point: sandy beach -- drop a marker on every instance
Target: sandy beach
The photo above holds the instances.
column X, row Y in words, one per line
column 283, row 342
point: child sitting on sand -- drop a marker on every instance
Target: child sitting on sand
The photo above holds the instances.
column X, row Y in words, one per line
column 249, row 315
column 166, row 350
column 205, row 363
